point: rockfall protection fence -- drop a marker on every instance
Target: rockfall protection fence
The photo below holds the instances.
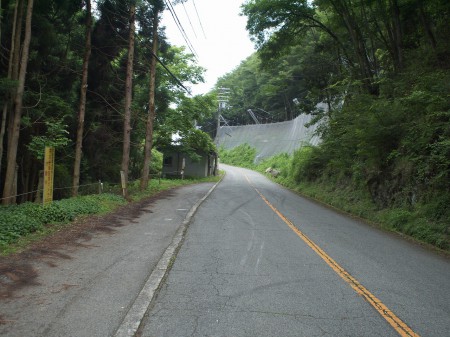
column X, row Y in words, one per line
column 270, row 139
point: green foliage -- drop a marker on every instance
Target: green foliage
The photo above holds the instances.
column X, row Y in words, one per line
column 14, row 224
column 385, row 150
column 390, row 135
column 19, row 220
column 156, row 162
column 197, row 140
column 191, row 141
column 56, row 137
column 242, row 155
column 306, row 164
column 386, row 136
column 51, row 99
column 415, row 224
column 268, row 92
column 6, row 85
column 280, row 162
column 182, row 121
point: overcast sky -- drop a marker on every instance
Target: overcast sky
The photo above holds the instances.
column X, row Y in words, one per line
column 222, row 43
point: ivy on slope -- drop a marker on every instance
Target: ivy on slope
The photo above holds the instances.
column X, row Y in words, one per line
column 17, row 221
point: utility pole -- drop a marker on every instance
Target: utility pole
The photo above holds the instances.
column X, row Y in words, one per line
column 222, row 98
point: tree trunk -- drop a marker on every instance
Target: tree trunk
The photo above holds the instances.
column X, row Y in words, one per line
column 350, row 22
column 398, row 34
column 128, row 99
column 8, row 191
column 82, row 109
column 16, row 47
column 426, row 25
column 13, row 55
column 152, row 111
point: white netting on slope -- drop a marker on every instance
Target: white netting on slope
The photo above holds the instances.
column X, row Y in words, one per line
column 270, row 139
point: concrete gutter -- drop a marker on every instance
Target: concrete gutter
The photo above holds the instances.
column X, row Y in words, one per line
column 138, row 309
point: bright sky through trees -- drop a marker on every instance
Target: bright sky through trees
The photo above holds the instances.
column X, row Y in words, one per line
column 222, row 43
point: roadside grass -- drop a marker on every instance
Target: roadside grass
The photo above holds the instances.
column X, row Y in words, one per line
column 404, row 220
column 417, row 222
column 21, row 225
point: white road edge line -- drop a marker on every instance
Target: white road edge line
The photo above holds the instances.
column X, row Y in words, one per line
column 133, row 318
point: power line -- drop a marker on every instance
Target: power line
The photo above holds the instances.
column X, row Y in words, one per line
column 178, row 82
column 180, row 27
column 189, row 19
column 198, row 17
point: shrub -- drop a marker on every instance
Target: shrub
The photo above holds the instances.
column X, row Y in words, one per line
column 19, row 220
column 156, row 162
column 280, row 162
column 242, row 155
column 308, row 164
column 14, row 224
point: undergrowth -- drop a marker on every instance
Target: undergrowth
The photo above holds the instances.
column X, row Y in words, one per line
column 242, row 155
column 17, row 221
column 30, row 221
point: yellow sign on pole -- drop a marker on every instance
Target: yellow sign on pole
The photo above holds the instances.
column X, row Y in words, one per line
column 49, row 170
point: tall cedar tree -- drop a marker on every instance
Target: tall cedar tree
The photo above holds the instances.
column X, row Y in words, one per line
column 82, row 109
column 9, row 189
column 151, row 104
column 128, row 98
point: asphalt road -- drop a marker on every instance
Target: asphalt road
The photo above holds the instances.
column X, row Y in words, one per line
column 258, row 260
column 241, row 258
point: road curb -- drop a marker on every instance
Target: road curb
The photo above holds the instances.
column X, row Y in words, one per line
column 138, row 309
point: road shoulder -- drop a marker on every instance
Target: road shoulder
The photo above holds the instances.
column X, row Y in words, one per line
column 87, row 278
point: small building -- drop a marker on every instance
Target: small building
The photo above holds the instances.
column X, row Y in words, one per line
column 182, row 165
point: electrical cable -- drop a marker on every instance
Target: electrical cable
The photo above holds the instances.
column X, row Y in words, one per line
column 171, row 74
column 180, row 27
column 189, row 19
column 177, row 80
column 198, row 17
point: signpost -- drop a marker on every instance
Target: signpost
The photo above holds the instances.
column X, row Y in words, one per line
column 49, row 171
column 123, row 183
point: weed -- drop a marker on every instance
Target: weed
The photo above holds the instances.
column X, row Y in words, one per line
column 29, row 221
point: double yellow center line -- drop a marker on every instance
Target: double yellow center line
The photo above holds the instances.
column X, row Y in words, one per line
column 399, row 326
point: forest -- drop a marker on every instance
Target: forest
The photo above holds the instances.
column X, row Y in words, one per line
column 382, row 69
column 96, row 80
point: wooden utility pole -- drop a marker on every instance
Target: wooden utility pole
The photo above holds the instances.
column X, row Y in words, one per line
column 128, row 98
column 82, row 109
column 151, row 103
